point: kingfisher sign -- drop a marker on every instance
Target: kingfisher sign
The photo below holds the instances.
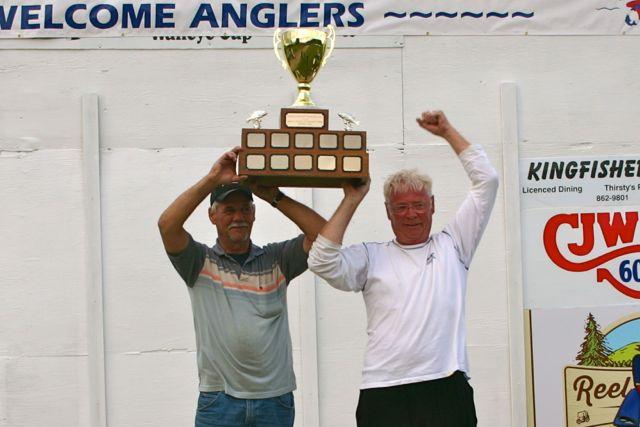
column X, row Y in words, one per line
column 581, row 237
column 116, row 18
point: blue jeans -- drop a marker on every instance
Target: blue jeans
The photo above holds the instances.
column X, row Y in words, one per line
column 217, row 409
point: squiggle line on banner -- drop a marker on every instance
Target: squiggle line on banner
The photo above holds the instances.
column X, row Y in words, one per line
column 465, row 14
column 521, row 14
column 420, row 14
column 395, row 14
column 602, row 274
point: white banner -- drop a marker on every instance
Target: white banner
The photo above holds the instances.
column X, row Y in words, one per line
column 111, row 18
column 581, row 237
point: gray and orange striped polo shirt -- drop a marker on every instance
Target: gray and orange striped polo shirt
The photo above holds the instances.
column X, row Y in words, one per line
column 240, row 315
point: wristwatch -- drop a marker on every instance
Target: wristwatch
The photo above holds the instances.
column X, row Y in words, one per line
column 279, row 196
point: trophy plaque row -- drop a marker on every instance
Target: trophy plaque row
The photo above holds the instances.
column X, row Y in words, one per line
column 304, row 152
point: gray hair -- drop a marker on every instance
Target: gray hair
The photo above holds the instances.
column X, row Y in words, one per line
column 407, row 180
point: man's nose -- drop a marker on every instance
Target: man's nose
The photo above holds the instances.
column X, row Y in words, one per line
column 238, row 216
column 411, row 211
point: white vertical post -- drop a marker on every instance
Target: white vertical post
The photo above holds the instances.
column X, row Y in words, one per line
column 308, row 335
column 513, row 249
column 95, row 317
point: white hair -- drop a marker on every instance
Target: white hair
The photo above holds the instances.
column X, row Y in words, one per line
column 407, row 180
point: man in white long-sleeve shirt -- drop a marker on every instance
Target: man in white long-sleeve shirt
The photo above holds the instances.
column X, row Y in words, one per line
column 414, row 286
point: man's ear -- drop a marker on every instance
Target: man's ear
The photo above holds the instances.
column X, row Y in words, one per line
column 212, row 216
column 386, row 208
column 433, row 205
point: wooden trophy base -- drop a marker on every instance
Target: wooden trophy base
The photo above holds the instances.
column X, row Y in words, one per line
column 303, row 152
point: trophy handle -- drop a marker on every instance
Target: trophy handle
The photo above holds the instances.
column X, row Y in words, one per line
column 331, row 38
column 277, row 47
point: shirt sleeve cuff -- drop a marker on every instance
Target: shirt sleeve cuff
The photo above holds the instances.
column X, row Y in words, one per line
column 471, row 150
column 324, row 243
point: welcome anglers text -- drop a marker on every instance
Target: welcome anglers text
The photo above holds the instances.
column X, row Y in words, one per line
column 102, row 16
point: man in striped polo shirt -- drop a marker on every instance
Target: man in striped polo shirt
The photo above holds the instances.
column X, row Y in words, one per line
column 238, row 296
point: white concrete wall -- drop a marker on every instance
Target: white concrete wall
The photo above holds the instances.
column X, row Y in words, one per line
column 165, row 116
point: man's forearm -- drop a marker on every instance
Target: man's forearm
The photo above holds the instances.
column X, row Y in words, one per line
column 456, row 140
column 179, row 211
column 171, row 222
column 303, row 216
column 335, row 228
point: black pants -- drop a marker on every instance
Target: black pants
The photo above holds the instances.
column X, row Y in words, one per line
column 445, row 402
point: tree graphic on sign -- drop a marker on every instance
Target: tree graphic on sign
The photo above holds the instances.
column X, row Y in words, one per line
column 594, row 351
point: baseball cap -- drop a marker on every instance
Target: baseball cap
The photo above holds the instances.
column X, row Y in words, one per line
column 223, row 191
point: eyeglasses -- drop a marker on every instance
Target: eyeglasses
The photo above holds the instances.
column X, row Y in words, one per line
column 403, row 208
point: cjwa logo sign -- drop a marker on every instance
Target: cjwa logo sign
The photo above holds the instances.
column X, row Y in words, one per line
column 602, row 381
column 614, row 233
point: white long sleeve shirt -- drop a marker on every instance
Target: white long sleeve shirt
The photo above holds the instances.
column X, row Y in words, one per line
column 415, row 295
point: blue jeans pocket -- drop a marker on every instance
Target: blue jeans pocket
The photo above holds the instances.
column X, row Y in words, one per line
column 276, row 411
column 207, row 399
column 285, row 400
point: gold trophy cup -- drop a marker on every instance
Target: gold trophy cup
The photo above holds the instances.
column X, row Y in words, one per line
column 303, row 51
